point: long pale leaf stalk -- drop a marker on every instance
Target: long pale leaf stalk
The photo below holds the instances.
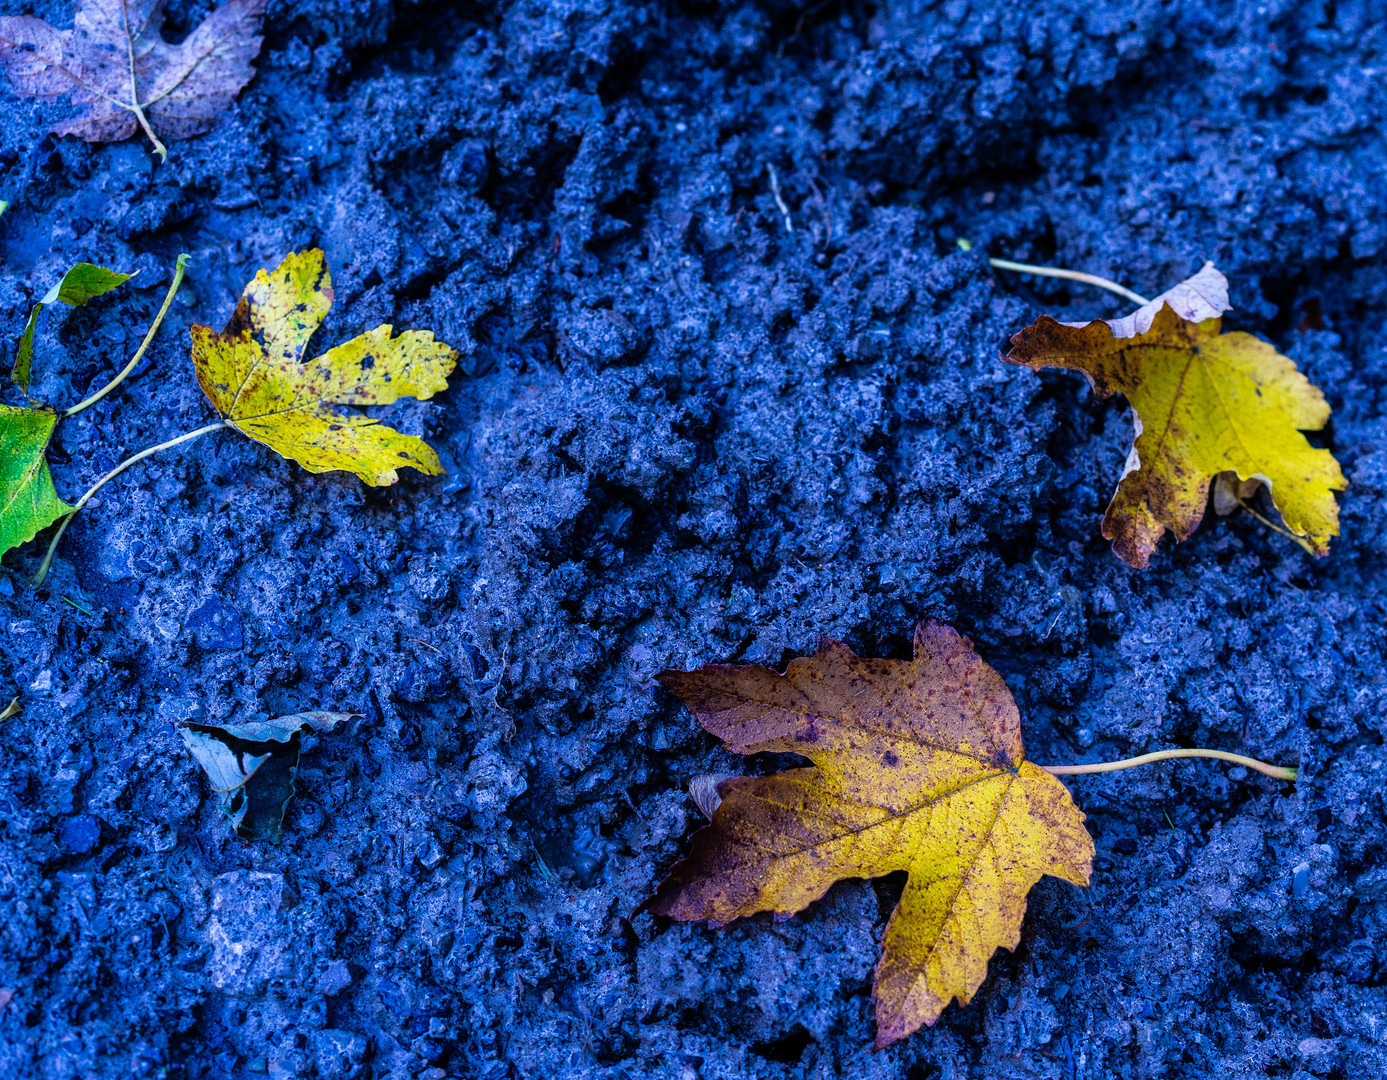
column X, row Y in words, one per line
column 1278, row 771
column 1070, row 275
column 144, row 345
column 53, row 544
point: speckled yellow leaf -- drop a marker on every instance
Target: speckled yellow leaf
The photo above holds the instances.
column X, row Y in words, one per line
column 918, row 766
column 1206, row 403
column 254, row 374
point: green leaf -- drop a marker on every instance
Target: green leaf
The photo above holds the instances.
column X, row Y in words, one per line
column 79, row 285
column 252, row 767
column 28, row 502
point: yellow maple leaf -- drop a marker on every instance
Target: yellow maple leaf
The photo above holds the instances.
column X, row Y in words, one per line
column 1206, row 403
column 918, row 766
column 255, row 375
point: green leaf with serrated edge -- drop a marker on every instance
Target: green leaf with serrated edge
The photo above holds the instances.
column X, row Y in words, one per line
column 252, row 767
column 28, row 502
column 78, row 285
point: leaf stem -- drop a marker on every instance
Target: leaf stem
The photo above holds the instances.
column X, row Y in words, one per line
column 1277, row 771
column 134, row 105
column 1277, row 528
column 1071, row 275
column 159, row 147
column 53, row 544
column 178, row 272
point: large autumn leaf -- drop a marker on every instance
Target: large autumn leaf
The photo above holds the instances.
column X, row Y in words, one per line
column 120, row 74
column 918, row 766
column 254, row 373
column 28, row 501
column 1205, row 403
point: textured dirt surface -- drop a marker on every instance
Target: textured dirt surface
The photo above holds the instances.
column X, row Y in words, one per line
column 691, row 426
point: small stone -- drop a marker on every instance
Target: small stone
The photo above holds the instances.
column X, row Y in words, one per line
column 334, row 979
column 80, row 834
column 431, row 854
column 215, row 625
column 165, row 838
column 338, row 1053
column 281, row 1070
column 247, row 931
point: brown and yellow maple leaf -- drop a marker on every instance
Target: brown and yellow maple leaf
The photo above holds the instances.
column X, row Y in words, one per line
column 918, row 766
column 120, row 73
column 1206, row 403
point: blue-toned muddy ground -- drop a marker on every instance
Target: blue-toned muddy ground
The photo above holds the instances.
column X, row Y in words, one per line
column 683, row 432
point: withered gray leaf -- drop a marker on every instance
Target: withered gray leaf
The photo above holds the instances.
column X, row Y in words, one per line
column 120, row 74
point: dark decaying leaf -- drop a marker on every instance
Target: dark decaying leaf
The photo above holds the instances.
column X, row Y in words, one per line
column 252, row 766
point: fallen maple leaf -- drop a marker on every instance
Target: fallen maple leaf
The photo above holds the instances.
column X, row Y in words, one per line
column 1205, row 403
column 121, row 74
column 918, row 766
column 255, row 375
column 28, row 500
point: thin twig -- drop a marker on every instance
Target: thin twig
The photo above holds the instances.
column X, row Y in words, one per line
column 779, row 202
column 1277, row 771
column 53, row 544
column 1070, row 275
column 144, row 345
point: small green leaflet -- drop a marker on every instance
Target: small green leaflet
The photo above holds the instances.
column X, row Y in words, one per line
column 28, row 501
column 252, row 767
column 79, row 285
